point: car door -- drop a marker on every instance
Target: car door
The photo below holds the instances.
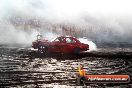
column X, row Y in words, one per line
column 69, row 45
column 57, row 45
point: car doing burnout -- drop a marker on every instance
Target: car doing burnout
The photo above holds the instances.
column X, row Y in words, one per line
column 61, row 44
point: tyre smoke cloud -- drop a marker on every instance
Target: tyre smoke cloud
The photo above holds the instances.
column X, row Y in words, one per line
column 101, row 21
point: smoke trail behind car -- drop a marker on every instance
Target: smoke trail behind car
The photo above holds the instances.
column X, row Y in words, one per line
column 92, row 45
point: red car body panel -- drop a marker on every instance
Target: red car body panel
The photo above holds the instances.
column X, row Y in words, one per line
column 61, row 44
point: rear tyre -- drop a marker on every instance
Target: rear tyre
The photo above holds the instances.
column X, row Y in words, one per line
column 77, row 50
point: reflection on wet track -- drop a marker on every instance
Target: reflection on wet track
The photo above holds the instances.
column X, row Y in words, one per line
column 18, row 68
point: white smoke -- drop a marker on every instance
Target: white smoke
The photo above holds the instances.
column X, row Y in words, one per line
column 50, row 36
column 92, row 45
column 100, row 20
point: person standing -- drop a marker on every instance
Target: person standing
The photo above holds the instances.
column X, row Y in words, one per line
column 81, row 79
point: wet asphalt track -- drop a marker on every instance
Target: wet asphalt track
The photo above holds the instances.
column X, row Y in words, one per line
column 21, row 67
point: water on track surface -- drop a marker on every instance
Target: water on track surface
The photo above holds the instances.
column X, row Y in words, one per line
column 19, row 69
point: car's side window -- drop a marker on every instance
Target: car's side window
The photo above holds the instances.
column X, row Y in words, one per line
column 73, row 41
column 69, row 40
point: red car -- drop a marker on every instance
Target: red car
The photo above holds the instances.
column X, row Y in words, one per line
column 60, row 44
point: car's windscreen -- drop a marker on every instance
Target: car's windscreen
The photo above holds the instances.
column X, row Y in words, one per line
column 59, row 39
column 56, row 40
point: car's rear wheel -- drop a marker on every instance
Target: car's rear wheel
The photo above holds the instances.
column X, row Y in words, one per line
column 42, row 49
column 77, row 50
